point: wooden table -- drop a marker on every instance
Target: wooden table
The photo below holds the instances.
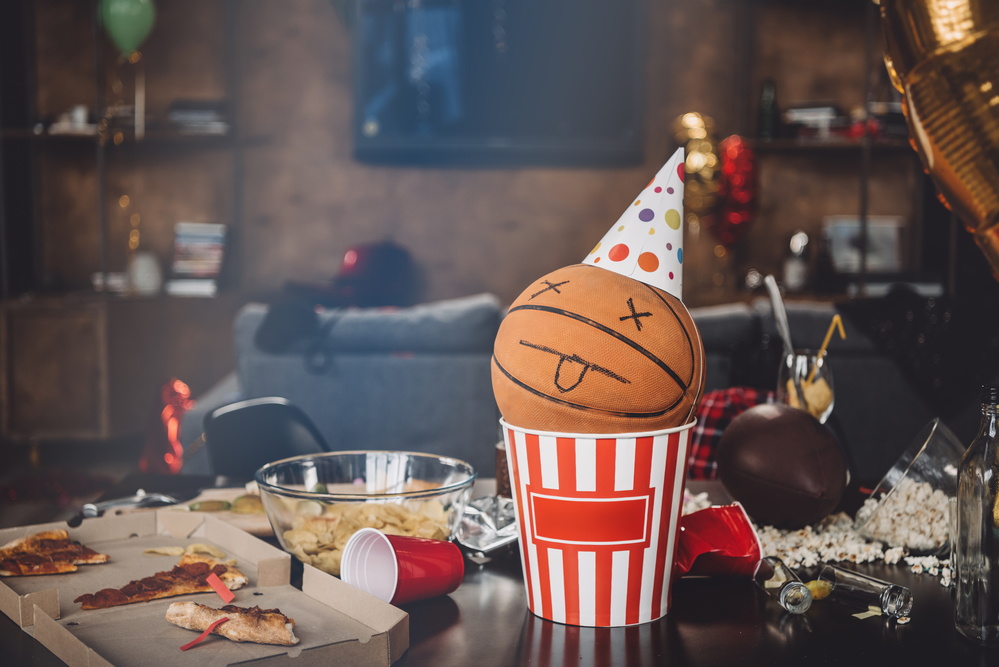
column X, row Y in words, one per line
column 716, row 621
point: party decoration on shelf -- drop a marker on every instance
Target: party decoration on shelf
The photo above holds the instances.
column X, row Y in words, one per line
column 702, row 168
column 720, row 186
column 736, row 191
column 128, row 22
column 943, row 56
column 607, row 346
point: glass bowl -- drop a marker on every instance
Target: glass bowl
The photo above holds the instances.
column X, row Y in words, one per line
column 909, row 507
column 316, row 502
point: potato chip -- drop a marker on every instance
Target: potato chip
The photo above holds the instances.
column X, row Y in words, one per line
column 206, row 549
column 164, row 551
column 319, row 540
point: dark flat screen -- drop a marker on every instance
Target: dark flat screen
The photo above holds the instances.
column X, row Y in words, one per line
column 498, row 81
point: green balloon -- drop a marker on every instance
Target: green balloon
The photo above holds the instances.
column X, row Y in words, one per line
column 128, row 22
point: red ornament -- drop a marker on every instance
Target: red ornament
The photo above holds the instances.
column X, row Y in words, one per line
column 736, row 191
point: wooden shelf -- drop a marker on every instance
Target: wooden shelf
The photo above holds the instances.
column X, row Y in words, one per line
column 827, row 146
column 157, row 138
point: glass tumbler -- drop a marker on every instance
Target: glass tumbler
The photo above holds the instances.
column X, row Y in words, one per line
column 816, row 397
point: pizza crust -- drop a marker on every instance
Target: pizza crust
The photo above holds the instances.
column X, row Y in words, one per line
column 261, row 626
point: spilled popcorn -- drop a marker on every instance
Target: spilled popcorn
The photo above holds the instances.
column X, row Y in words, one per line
column 832, row 540
column 914, row 516
column 692, row 503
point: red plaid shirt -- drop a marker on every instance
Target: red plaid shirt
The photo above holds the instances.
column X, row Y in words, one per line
column 717, row 409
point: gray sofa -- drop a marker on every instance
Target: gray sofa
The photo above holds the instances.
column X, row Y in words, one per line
column 418, row 379
column 414, row 379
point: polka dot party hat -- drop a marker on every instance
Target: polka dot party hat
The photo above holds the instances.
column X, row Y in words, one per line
column 646, row 243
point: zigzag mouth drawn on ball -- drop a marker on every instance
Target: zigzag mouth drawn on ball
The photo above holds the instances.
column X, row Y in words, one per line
column 601, row 411
column 552, row 287
column 615, row 334
column 576, row 359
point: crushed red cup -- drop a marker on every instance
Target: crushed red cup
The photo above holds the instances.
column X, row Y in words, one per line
column 399, row 569
column 717, row 541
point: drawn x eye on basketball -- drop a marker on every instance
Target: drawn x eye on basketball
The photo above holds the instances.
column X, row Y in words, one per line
column 599, row 353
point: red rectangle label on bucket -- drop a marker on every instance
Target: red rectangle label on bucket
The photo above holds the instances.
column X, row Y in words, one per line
column 589, row 520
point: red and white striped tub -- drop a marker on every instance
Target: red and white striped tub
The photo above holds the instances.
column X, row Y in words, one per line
column 599, row 517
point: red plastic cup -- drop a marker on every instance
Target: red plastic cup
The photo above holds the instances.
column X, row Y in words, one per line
column 397, row 569
column 718, row 541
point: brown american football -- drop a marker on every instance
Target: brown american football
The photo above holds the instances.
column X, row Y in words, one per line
column 785, row 467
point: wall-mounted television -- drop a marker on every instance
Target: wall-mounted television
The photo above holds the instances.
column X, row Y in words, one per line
column 498, row 82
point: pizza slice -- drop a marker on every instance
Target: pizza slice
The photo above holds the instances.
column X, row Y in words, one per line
column 262, row 626
column 49, row 552
column 188, row 576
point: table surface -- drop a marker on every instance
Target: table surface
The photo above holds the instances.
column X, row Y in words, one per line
column 712, row 622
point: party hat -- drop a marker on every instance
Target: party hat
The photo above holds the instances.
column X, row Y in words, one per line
column 646, row 243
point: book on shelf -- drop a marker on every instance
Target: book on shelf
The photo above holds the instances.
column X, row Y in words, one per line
column 198, row 250
column 199, row 117
column 203, row 287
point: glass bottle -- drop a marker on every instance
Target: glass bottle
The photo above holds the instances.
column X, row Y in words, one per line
column 854, row 589
column 769, row 117
column 976, row 578
column 780, row 583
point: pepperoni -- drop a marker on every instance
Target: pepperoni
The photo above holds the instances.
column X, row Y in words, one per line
column 33, row 560
column 192, row 570
column 11, row 566
column 52, row 545
column 153, row 584
column 110, row 597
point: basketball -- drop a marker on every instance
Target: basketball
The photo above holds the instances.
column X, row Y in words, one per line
column 586, row 350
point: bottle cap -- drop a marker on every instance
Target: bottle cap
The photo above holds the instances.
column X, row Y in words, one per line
column 990, row 393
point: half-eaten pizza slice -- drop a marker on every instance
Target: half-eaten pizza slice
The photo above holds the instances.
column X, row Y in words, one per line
column 262, row 626
column 188, row 576
column 50, row 552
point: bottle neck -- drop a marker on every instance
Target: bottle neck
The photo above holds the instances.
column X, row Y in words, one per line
column 990, row 419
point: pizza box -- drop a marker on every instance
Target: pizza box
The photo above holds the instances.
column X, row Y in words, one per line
column 336, row 624
column 254, row 524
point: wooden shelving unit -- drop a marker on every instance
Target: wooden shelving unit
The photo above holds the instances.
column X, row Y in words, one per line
column 80, row 364
column 813, row 174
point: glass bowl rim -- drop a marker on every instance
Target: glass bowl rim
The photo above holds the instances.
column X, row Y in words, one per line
column 930, row 428
column 366, row 497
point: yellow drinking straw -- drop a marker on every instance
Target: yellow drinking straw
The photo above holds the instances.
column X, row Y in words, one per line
column 837, row 321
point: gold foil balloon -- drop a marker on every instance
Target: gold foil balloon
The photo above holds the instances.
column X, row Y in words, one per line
column 943, row 55
column 702, row 168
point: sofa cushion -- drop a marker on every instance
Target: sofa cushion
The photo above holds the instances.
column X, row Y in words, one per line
column 727, row 332
column 465, row 325
column 414, row 379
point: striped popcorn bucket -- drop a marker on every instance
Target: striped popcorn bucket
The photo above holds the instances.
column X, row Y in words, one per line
column 599, row 517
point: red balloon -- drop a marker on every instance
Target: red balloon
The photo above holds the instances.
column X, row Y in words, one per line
column 736, row 192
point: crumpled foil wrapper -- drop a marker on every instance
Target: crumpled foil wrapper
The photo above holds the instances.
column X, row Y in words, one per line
column 487, row 526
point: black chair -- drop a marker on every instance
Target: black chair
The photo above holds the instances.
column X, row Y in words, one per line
column 242, row 437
